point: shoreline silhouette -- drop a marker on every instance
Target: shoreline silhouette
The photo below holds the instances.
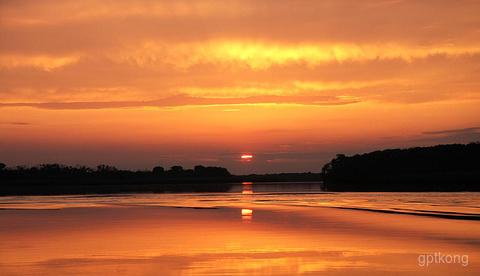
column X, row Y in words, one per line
column 56, row 179
column 442, row 168
column 445, row 168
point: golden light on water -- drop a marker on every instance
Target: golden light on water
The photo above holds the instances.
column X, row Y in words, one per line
column 247, row 215
column 247, row 212
column 247, row 188
column 283, row 240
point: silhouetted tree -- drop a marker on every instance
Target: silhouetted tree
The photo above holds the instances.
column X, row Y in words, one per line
column 83, row 170
column 176, row 168
column 199, row 168
column 215, row 172
column 158, row 170
column 106, row 168
column 2, row 166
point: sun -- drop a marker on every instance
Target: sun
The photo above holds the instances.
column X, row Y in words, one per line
column 246, row 157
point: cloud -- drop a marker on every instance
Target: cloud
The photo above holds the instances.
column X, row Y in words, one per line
column 262, row 55
column 47, row 63
column 218, row 49
column 463, row 138
column 16, row 123
column 185, row 100
column 455, row 131
column 344, row 27
column 309, row 20
column 448, row 136
column 282, row 160
column 287, row 88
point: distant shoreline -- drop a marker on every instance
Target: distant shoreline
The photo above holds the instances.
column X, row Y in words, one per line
column 62, row 180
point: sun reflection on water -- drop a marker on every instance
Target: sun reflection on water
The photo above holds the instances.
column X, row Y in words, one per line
column 247, row 215
column 247, row 188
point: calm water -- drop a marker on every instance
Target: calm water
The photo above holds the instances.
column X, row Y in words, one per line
column 268, row 229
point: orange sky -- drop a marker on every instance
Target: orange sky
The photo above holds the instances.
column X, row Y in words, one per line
column 136, row 84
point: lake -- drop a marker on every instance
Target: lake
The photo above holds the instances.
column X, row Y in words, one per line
column 255, row 229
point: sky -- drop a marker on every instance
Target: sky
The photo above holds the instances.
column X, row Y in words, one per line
column 139, row 84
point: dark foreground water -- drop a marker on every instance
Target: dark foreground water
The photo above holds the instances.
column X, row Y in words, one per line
column 269, row 229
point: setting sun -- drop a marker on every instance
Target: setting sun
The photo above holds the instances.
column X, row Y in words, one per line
column 247, row 157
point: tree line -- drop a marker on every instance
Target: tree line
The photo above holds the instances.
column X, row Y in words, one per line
column 453, row 167
column 57, row 179
column 58, row 171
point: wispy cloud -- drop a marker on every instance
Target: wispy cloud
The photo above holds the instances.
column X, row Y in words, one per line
column 44, row 62
column 454, row 131
column 261, row 55
column 16, row 123
column 184, row 100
